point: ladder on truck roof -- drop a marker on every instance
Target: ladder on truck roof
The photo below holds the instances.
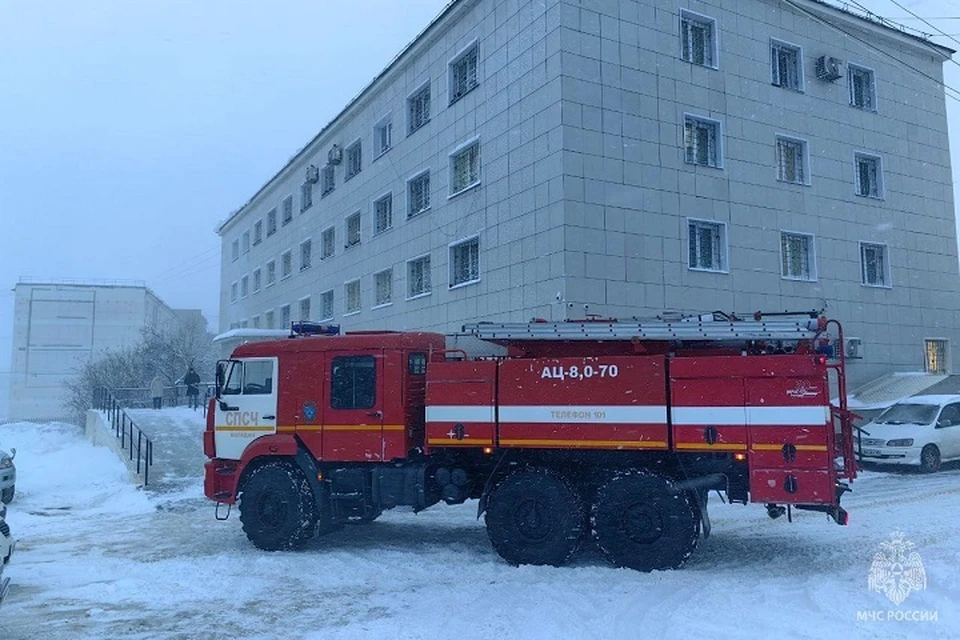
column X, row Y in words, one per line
column 696, row 328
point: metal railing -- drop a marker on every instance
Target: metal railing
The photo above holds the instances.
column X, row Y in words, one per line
column 126, row 430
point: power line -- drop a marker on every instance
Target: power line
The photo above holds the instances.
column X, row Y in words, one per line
column 929, row 24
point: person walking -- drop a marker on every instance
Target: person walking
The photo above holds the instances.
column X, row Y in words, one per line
column 191, row 379
column 156, row 391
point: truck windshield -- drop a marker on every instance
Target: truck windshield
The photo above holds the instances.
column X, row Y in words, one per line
column 908, row 414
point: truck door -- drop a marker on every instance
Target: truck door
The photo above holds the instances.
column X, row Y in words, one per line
column 247, row 408
column 353, row 414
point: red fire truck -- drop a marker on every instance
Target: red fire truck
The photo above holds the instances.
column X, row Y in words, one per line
column 605, row 429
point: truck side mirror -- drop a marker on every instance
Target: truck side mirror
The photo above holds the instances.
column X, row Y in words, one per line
column 221, row 367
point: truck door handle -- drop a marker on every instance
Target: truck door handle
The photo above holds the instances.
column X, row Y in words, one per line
column 375, row 414
column 269, row 417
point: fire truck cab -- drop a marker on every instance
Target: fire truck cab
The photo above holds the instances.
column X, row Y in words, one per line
column 615, row 431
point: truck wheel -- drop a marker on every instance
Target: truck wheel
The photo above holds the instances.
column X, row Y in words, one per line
column 6, row 496
column 930, row 459
column 277, row 508
column 641, row 522
column 535, row 517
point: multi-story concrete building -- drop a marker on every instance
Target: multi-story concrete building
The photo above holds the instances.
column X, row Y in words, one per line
column 623, row 157
column 59, row 325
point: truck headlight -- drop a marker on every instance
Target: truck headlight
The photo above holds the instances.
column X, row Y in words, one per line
column 902, row 442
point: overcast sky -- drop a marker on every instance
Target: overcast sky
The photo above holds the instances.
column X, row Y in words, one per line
column 129, row 129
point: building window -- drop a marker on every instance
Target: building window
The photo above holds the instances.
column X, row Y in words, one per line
column 465, row 168
column 246, row 242
column 874, row 265
column 418, row 109
column 465, row 262
column 256, row 322
column 327, row 247
column 351, row 293
column 305, row 308
column 268, row 320
column 271, row 272
column 306, row 249
column 244, row 286
column 286, row 265
column 702, row 141
column 418, row 277
column 698, row 39
column 786, row 66
column 792, row 160
column 326, row 305
column 257, row 280
column 285, row 316
column 243, row 324
column 306, row 196
column 463, row 73
column 235, row 250
column 708, row 245
column 354, row 160
column 287, row 209
column 418, row 194
column 383, row 287
column 869, row 176
column 353, row 230
column 328, row 180
column 382, row 137
column 797, row 261
column 233, row 291
column 271, row 222
column 383, row 214
column 935, row 356
column 863, row 90
column 258, row 232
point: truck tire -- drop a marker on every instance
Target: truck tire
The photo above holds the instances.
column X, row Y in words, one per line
column 642, row 523
column 535, row 517
column 6, row 496
column 277, row 507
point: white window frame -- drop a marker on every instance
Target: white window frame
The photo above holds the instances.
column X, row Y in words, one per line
column 330, row 171
column 428, row 172
column 329, row 316
column 409, row 100
column 269, row 319
column 851, row 67
column 450, row 262
column 271, row 217
column 246, row 242
column 234, row 291
column 407, row 273
column 286, row 205
column 463, row 53
column 300, row 308
column 346, row 298
column 724, row 254
column 289, row 254
column 692, row 16
column 235, row 250
column 887, row 282
column 881, row 187
column 946, row 355
column 244, row 286
column 373, row 208
column 451, row 162
column 804, row 158
column 285, row 309
column 309, row 263
column 258, row 232
column 811, row 256
column 323, row 255
column 306, row 196
column 376, row 289
column 257, row 280
column 255, row 321
column 347, row 168
column 718, row 144
column 267, row 282
column 385, row 121
column 775, row 69
column 346, row 230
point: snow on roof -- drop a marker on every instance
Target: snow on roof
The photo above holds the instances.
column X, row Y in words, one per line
column 252, row 334
column 891, row 389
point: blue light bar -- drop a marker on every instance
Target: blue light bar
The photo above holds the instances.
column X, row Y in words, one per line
column 314, row 329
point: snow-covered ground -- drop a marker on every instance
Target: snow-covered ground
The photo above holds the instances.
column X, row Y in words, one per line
column 98, row 558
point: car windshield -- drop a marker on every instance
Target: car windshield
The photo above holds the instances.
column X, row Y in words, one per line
column 908, row 414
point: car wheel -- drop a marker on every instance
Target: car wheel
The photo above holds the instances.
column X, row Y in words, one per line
column 930, row 459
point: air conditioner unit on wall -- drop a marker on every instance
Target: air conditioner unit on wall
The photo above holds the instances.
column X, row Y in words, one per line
column 313, row 174
column 828, row 68
column 853, row 348
column 335, row 155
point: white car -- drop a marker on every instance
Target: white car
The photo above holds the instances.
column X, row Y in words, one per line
column 921, row 431
column 6, row 550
